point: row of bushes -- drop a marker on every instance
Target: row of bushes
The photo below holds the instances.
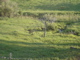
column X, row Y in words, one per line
column 40, row 14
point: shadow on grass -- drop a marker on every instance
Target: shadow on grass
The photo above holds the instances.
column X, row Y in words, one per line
column 36, row 50
column 62, row 6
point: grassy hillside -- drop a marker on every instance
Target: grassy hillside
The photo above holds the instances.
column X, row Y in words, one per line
column 15, row 38
column 60, row 43
column 69, row 5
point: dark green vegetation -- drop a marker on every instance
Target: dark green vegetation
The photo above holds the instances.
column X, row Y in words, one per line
column 67, row 5
column 22, row 33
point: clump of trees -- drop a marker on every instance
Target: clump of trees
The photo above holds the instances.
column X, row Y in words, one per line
column 8, row 8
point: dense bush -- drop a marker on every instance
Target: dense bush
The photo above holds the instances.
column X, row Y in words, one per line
column 53, row 27
column 8, row 8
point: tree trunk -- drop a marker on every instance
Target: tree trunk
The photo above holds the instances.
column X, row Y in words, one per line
column 45, row 29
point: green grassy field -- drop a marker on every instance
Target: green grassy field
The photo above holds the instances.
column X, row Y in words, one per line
column 67, row 5
column 15, row 38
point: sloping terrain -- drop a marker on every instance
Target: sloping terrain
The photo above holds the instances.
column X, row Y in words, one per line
column 23, row 36
column 67, row 5
column 16, row 39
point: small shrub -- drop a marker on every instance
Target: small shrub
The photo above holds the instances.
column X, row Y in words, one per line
column 72, row 31
column 31, row 31
column 52, row 27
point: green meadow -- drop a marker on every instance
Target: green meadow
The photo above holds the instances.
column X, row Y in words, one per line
column 23, row 35
column 61, row 5
column 16, row 39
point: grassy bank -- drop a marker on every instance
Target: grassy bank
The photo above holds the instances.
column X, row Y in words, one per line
column 23, row 35
column 15, row 38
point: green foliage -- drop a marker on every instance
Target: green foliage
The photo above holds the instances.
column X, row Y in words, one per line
column 53, row 26
column 8, row 8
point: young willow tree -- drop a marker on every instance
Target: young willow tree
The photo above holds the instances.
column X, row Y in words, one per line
column 47, row 18
column 8, row 8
